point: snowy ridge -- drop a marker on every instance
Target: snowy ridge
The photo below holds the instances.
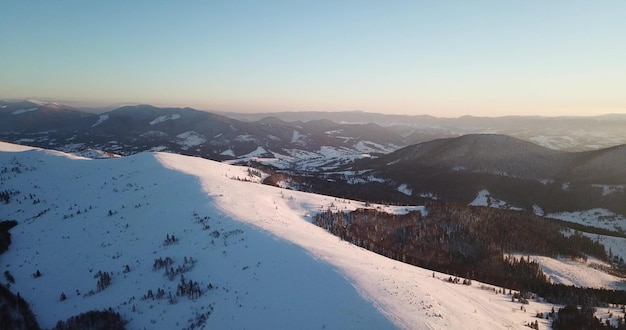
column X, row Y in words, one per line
column 256, row 256
column 404, row 293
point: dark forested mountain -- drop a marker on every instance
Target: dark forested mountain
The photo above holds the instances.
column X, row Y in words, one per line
column 516, row 171
column 600, row 166
column 34, row 116
column 505, row 156
column 496, row 154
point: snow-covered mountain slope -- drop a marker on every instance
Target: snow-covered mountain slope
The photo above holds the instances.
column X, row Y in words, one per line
column 254, row 258
column 87, row 216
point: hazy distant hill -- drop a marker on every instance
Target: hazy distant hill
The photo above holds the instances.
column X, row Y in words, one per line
column 484, row 153
column 33, row 116
column 562, row 133
column 506, row 156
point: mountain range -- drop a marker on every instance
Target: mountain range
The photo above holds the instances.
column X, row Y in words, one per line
column 132, row 129
column 372, row 150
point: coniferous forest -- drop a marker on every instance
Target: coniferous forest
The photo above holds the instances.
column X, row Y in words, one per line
column 474, row 243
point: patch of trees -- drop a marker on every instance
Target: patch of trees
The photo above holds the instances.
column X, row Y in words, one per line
column 159, row 295
column 170, row 271
column 5, row 235
column 187, row 265
column 571, row 317
column 15, row 313
column 5, row 196
column 514, row 231
column 189, row 288
column 96, row 320
column 204, row 221
column 104, row 280
column 170, row 239
column 472, row 242
column 161, row 262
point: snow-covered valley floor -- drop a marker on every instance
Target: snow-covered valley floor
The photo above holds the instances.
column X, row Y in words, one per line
column 250, row 249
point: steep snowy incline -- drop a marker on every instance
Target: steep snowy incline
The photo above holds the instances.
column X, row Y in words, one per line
column 139, row 222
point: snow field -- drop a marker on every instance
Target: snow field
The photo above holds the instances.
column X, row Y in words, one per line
column 258, row 280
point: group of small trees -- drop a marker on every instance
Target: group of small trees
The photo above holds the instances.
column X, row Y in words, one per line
column 204, row 221
column 159, row 295
column 533, row 325
column 188, row 264
column 161, row 262
column 189, row 288
column 104, row 280
column 457, row 280
column 169, row 240
column 5, row 196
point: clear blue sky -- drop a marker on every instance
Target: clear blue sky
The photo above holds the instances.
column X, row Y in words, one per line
column 444, row 58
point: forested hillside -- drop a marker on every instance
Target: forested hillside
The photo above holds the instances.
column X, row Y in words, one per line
column 473, row 243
